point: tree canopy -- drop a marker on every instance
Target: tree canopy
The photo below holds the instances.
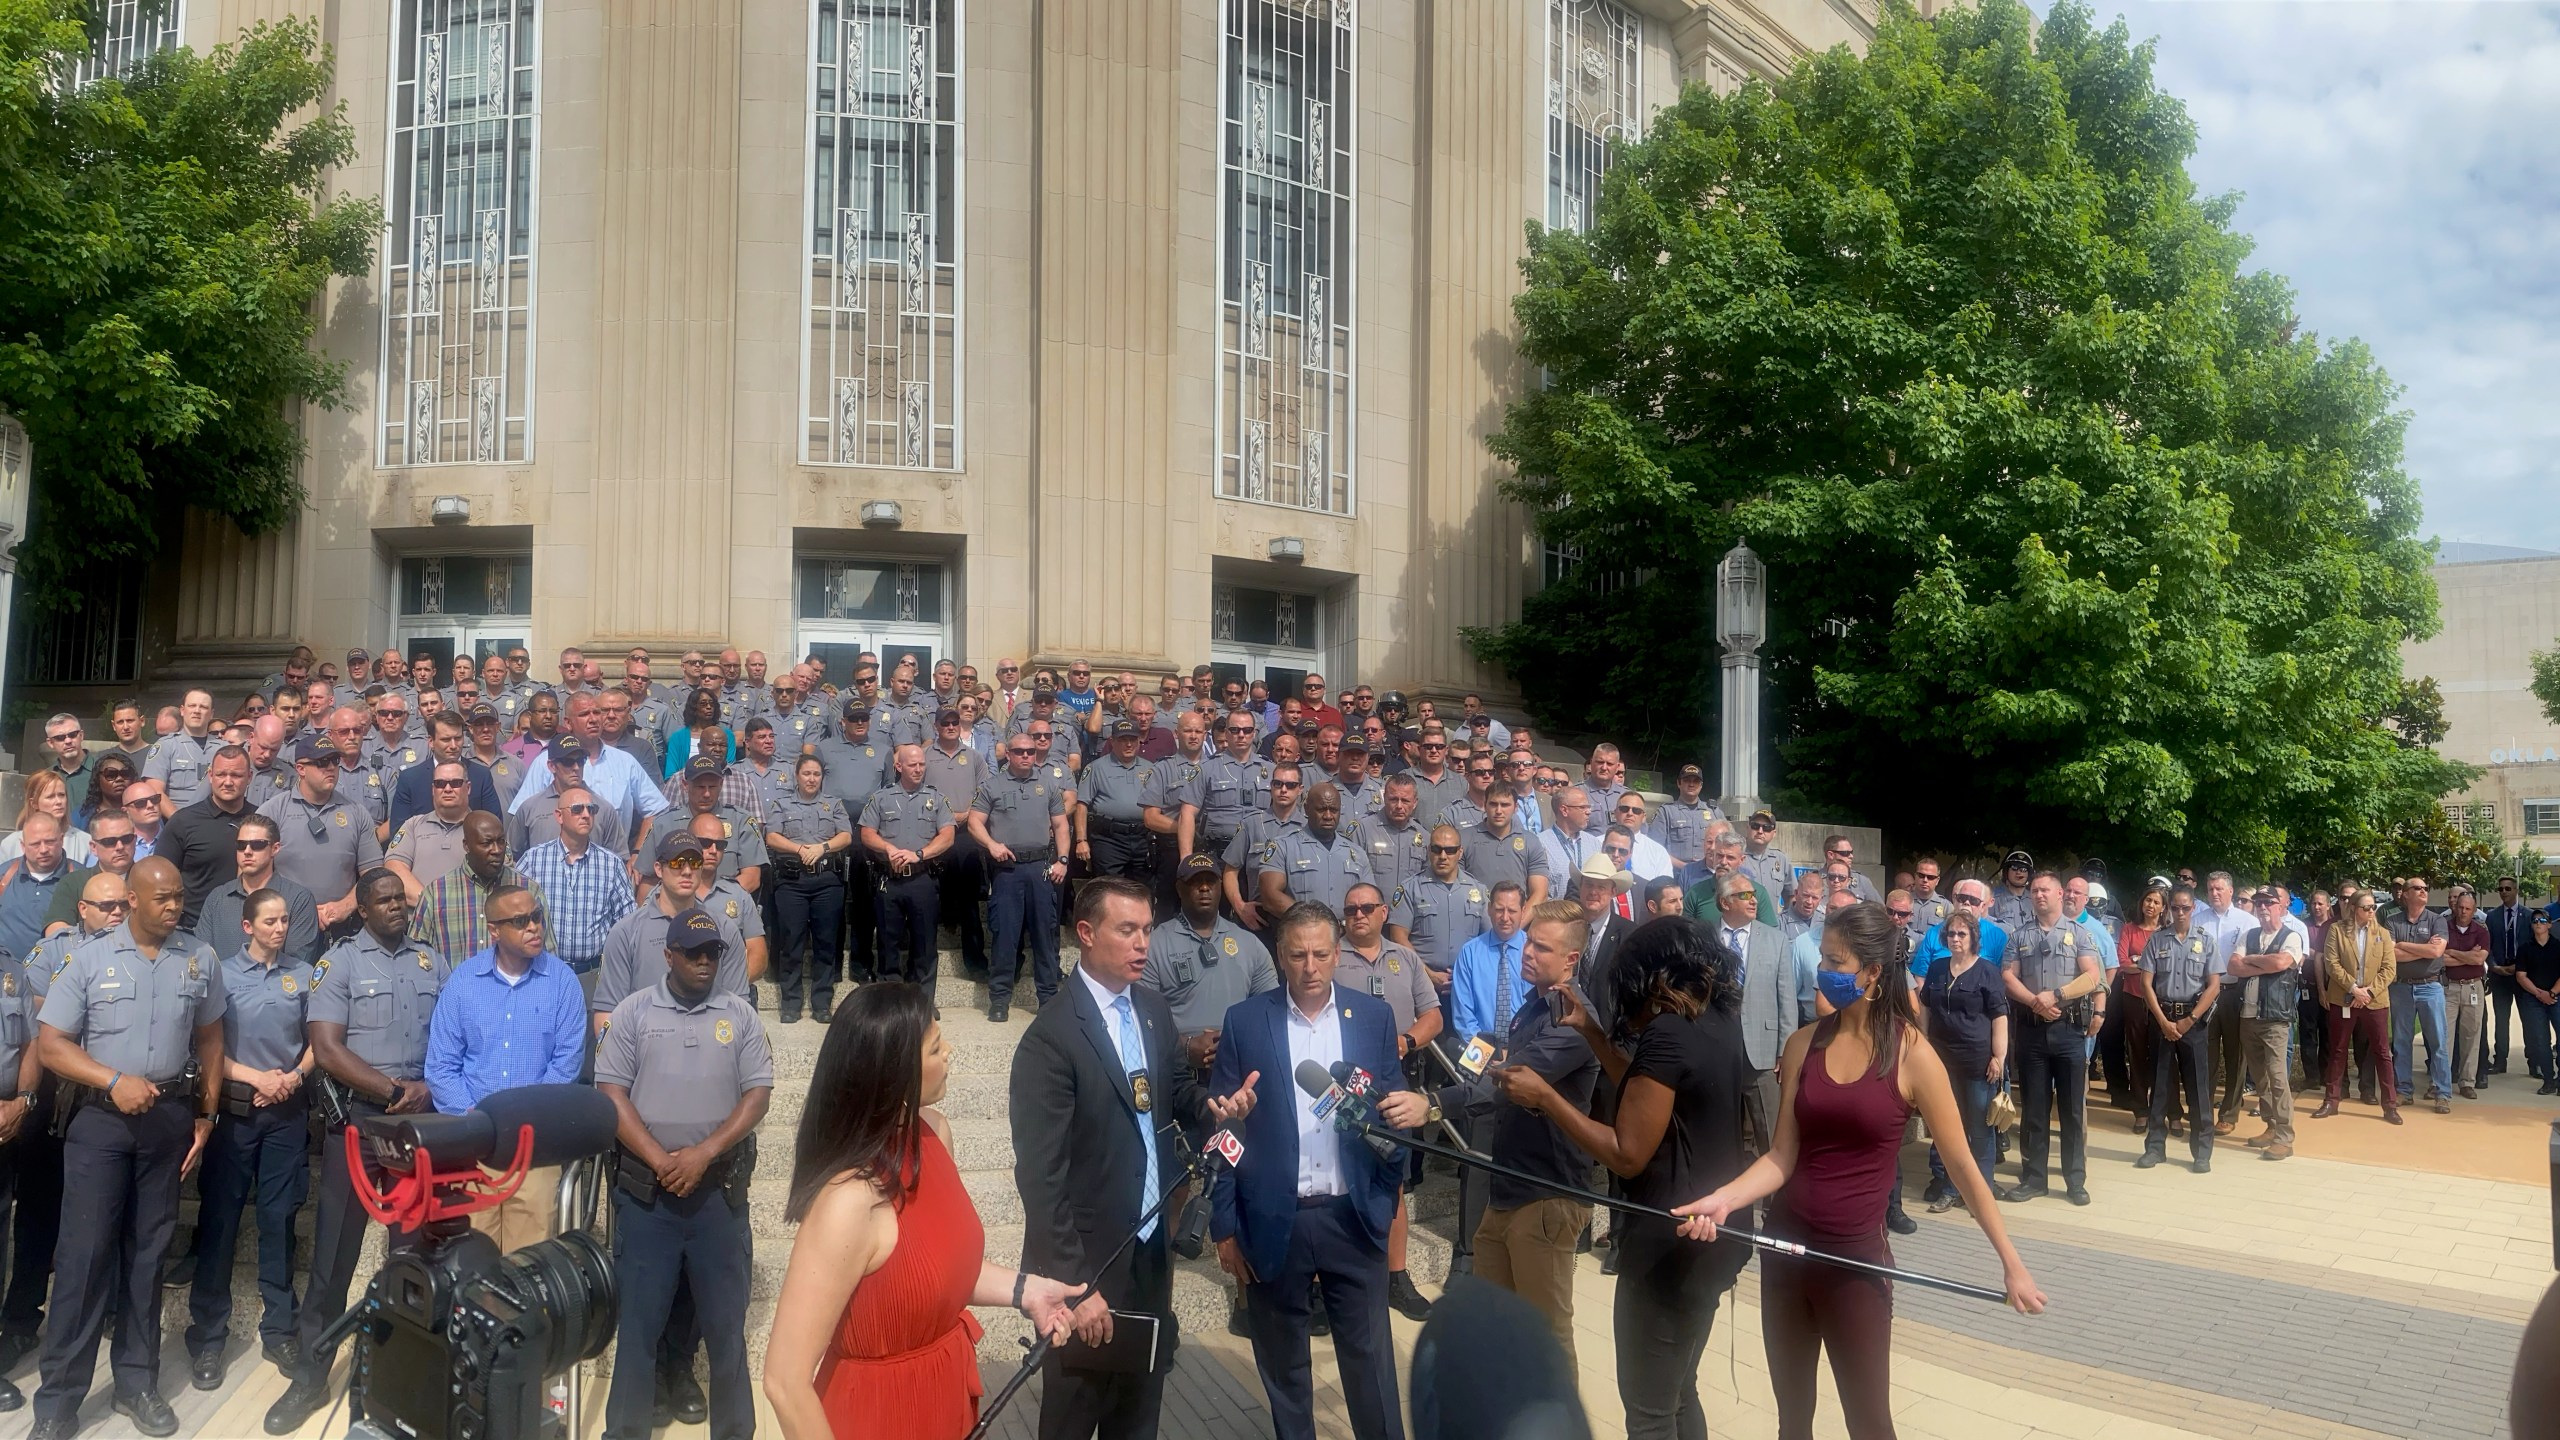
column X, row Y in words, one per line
column 163, row 238
column 2076, row 536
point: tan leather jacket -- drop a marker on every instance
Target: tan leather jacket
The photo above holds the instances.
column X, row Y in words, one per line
column 2340, row 973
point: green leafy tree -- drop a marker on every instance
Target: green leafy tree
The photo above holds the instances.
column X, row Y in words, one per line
column 163, row 240
column 2546, row 682
column 2075, row 537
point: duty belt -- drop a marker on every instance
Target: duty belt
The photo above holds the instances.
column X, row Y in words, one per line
column 1102, row 825
column 1042, row 856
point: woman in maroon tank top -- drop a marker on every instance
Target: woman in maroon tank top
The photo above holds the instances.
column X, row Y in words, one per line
column 1849, row 1082
column 872, row 1334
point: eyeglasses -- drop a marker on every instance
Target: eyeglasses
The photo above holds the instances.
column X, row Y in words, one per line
column 254, row 847
column 709, row 846
column 1447, row 849
column 581, row 809
column 511, row 922
column 1279, row 784
column 1356, row 911
column 1435, row 745
column 464, row 784
column 1762, row 826
column 96, row 839
column 107, row 907
column 133, row 801
column 683, row 862
column 1903, row 914
column 1630, row 809
column 1969, row 900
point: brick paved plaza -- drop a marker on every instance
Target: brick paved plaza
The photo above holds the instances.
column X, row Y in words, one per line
column 2258, row 1300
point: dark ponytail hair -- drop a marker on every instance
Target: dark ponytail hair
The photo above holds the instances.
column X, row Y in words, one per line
column 1877, row 939
column 865, row 1097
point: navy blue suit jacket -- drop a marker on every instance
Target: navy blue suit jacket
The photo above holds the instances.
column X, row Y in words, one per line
column 411, row 794
column 1257, row 1202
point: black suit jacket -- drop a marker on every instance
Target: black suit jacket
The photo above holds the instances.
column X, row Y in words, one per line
column 1077, row 1159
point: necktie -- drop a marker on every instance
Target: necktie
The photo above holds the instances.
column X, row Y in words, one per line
column 1133, row 1058
column 1739, row 943
column 1627, row 906
column 1502, row 972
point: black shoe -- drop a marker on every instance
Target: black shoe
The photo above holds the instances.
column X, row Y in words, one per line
column 2151, row 1158
column 2549, row 1087
column 822, row 1011
column 206, row 1372
column 16, row 1346
column 788, row 1015
column 10, row 1399
column 149, row 1413
column 1934, row 1193
column 1609, row 1255
column 284, row 1354
column 1899, row 1223
column 62, row 1429
column 2204, row 1163
column 684, row 1395
column 999, row 1011
column 1318, row 1323
column 2077, row 1195
column 300, row 1401
column 1407, row 1300
column 2020, row 1194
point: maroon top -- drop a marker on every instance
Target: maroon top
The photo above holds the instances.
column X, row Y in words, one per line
column 1848, row 1146
column 2466, row 948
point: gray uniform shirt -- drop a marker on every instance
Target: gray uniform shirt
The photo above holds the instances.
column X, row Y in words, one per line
column 685, row 1066
column 2047, row 957
column 267, row 784
column 1396, row 977
column 775, row 780
column 741, row 840
column 1396, row 855
column 539, row 824
column 1362, row 800
column 19, row 1002
column 895, row 724
column 1244, row 850
column 1681, row 827
column 1438, row 915
column 635, row 956
column 1514, row 857
column 729, row 900
column 1312, row 869
column 1165, row 784
column 185, row 764
column 956, row 775
column 263, row 1011
column 134, row 1014
column 384, row 996
column 390, row 760
column 1116, row 792
column 1018, row 811
column 1201, row 976
column 1227, row 790
column 1771, row 867
column 854, row 771
column 811, row 822
column 218, row 922
column 907, row 819
column 507, row 773
column 2180, row 965
column 429, row 845
column 323, row 848
column 1432, row 798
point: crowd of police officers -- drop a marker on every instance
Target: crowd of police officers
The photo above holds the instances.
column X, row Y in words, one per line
column 210, row 997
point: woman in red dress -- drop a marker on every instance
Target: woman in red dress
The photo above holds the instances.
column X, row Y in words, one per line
column 872, row 1335
column 1848, row 1083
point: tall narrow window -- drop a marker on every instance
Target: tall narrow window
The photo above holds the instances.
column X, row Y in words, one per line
column 883, row 360
column 1592, row 53
column 457, row 253
column 128, row 32
column 1286, row 306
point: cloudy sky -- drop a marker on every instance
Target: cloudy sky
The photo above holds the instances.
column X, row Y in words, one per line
column 2401, row 163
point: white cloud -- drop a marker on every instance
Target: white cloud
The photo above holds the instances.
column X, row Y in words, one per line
column 2398, row 165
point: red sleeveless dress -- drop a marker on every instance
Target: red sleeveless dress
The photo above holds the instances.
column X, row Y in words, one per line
column 904, row 1361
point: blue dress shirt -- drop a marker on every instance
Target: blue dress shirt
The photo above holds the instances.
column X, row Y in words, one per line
column 1471, row 981
column 487, row 1035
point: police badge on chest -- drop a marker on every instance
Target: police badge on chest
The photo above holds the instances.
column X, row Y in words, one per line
column 1141, row 1093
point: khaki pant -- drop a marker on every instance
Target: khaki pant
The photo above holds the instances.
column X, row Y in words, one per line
column 1529, row 1252
column 2264, row 1043
column 526, row 1216
column 2466, row 1013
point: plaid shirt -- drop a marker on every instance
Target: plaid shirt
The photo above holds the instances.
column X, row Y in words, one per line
column 581, row 899
column 448, row 919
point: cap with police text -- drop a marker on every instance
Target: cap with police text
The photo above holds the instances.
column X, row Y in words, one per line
column 2267, row 895
column 681, row 843
column 1692, row 772
column 357, row 655
column 702, row 765
column 312, row 750
column 1121, row 730
column 1195, row 866
column 1758, row 816
column 1044, row 697
column 480, row 712
column 1355, row 745
column 690, row 930
column 568, row 750
column 2017, row 860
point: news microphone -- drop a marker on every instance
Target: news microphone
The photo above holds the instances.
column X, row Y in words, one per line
column 570, row 1122
column 1488, row 1368
column 1191, row 1232
column 1344, row 1108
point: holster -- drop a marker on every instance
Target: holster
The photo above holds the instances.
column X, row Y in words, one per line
column 2178, row 1009
column 239, row 1098
column 67, row 1101
column 730, row 1174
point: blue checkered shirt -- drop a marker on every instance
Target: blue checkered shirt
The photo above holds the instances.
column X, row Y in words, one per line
column 581, row 899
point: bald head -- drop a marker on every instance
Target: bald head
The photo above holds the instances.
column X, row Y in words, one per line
column 158, row 898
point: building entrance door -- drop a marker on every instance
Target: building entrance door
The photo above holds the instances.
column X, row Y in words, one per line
column 466, row 606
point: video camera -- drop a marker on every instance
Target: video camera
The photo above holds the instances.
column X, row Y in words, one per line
column 455, row 1339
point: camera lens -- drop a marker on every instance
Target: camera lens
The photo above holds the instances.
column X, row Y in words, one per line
column 568, row 1280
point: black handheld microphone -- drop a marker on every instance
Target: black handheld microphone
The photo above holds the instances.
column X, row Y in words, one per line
column 1191, row 1232
column 1346, row 1108
column 570, row 1122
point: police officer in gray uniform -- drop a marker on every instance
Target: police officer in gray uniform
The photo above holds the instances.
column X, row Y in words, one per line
column 899, row 718
column 1232, row 785
column 635, row 948
column 1161, row 806
column 1680, row 823
column 808, row 833
column 1441, row 909
column 2051, row 972
column 1242, row 855
column 324, row 840
column 908, row 827
column 690, row 1076
column 1364, row 791
column 18, row 1082
column 1020, row 822
column 1203, row 963
column 261, row 1144
column 856, row 766
column 183, row 762
column 1398, row 845
column 1312, row 861
column 367, row 1018
column 954, row 771
column 2183, row 967
column 1498, row 849
column 121, row 1022
column 1111, row 821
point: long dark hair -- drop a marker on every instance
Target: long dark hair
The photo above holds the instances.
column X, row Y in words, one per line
column 1876, row 938
column 1672, row 965
column 865, row 1096
column 705, row 699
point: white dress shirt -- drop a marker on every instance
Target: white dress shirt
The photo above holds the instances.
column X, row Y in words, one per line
column 616, row 779
column 1319, row 1148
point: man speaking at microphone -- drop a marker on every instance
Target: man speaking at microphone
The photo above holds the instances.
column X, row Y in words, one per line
column 1306, row 1202
column 1098, row 1093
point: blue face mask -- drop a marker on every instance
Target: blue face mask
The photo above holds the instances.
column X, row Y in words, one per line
column 1840, row 987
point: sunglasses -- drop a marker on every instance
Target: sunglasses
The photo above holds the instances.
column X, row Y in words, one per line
column 110, row 907
column 1897, row 914
column 582, row 809
column 1354, row 911
column 683, row 862
column 1446, row 849
column 1287, row 784
column 511, row 922
column 254, row 847
column 452, row 784
column 96, row 840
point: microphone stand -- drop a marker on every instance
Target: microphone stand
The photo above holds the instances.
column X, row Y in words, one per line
column 1770, row 1243
column 1194, row 1167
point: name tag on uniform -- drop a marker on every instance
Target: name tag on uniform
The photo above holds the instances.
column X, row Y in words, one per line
column 1141, row 1093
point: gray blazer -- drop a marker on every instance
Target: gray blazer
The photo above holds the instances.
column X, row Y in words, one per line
column 1769, row 995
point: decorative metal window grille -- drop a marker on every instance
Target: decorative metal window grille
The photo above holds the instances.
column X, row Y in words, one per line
column 883, row 363
column 457, row 295
column 2542, row 817
column 1274, row 619
column 880, row 590
column 1285, row 420
column 466, row 585
column 1592, row 55
column 97, row 644
column 128, row 32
